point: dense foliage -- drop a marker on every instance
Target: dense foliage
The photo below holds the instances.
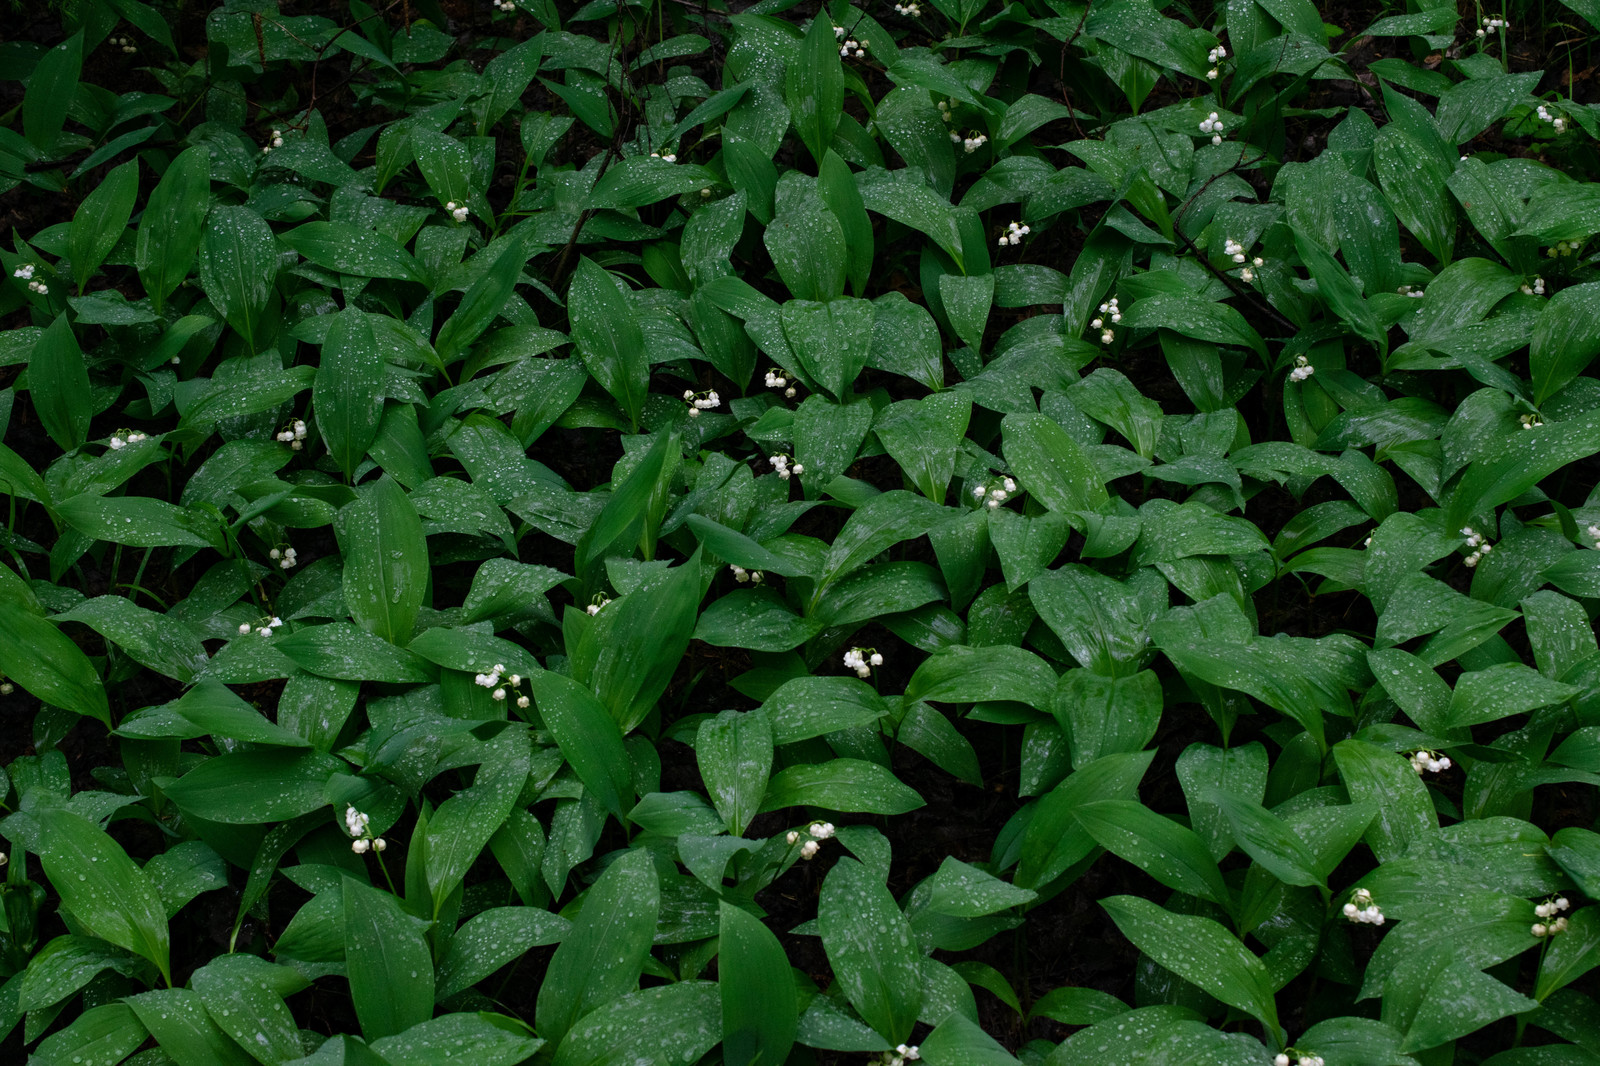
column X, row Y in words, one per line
column 695, row 532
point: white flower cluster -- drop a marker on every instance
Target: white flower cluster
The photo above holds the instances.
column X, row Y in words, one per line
column 598, row 604
column 670, row 157
column 946, row 111
column 1362, row 910
column 1110, row 315
column 1557, row 121
column 491, row 680
column 776, row 380
column 852, row 48
column 1549, row 909
column 359, row 826
column 6, row 689
column 1428, row 760
column 1536, row 289
column 743, row 576
column 1215, row 56
column 1414, row 291
column 1014, row 234
column 1282, row 1058
column 1478, row 543
column 262, row 630
column 784, row 467
column 1594, row 535
column 901, row 1055
column 910, row 11
column 1236, row 252
column 284, row 557
column 997, row 494
column 1213, row 125
column 701, row 401
column 294, row 436
column 862, row 660
column 1530, row 421
column 818, row 832
column 25, row 272
column 1491, row 24
column 124, row 43
column 1562, row 248
column 122, row 438
column 457, row 211
column 504, row 6
column 1302, row 369
column 274, row 141
column 969, row 144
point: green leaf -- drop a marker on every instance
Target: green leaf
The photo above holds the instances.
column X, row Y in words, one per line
column 1461, row 1000
column 1572, row 953
column 1336, row 286
column 603, row 954
column 967, row 301
column 760, row 1007
column 491, row 939
column 1160, row 847
column 100, row 221
column 350, row 249
column 483, row 300
column 387, row 960
column 108, row 895
column 840, row 785
column 828, row 436
column 1107, row 715
column 1201, row 952
column 814, row 88
column 1416, row 184
column 483, row 1039
column 41, row 659
column 1051, row 465
column 1388, row 783
column 734, row 753
column 58, row 382
column 837, row 189
column 244, row 996
column 681, row 1019
column 870, row 948
column 807, row 246
column 588, row 736
column 172, row 224
column 164, row 644
column 629, row 653
column 107, row 1033
column 923, row 437
column 460, row 828
column 348, row 392
column 1054, row 840
column 140, row 521
column 178, row 1020
column 255, row 787
column 238, row 262
column 385, row 561
column 1501, row 691
column 958, row 1041
column 1566, row 338
column 606, row 331
column 51, row 89
column 1237, row 771
column 1268, row 840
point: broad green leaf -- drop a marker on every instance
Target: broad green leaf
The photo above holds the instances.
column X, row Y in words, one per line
column 605, row 329
column 814, row 88
column 924, row 436
column 681, row 1019
column 601, row 957
column 100, row 221
column 238, row 262
column 1388, row 783
column 177, row 1019
column 589, row 738
column 244, row 996
column 1054, row 840
column 108, row 895
column 840, row 785
column 870, row 947
column 58, row 382
column 1165, row 850
column 107, row 1033
column 1268, row 840
column 1572, row 953
column 492, row 938
column 164, row 644
column 140, row 521
column 350, row 249
column 255, row 787
column 50, row 92
column 1051, row 465
column 349, row 388
column 808, row 248
column 734, row 754
column 1200, row 951
column 387, row 960
column 1566, row 338
column 483, row 300
column 385, row 561
column 759, row 1003
column 1237, row 771
column 460, row 828
column 481, row 1038
column 172, row 224
column 41, row 659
